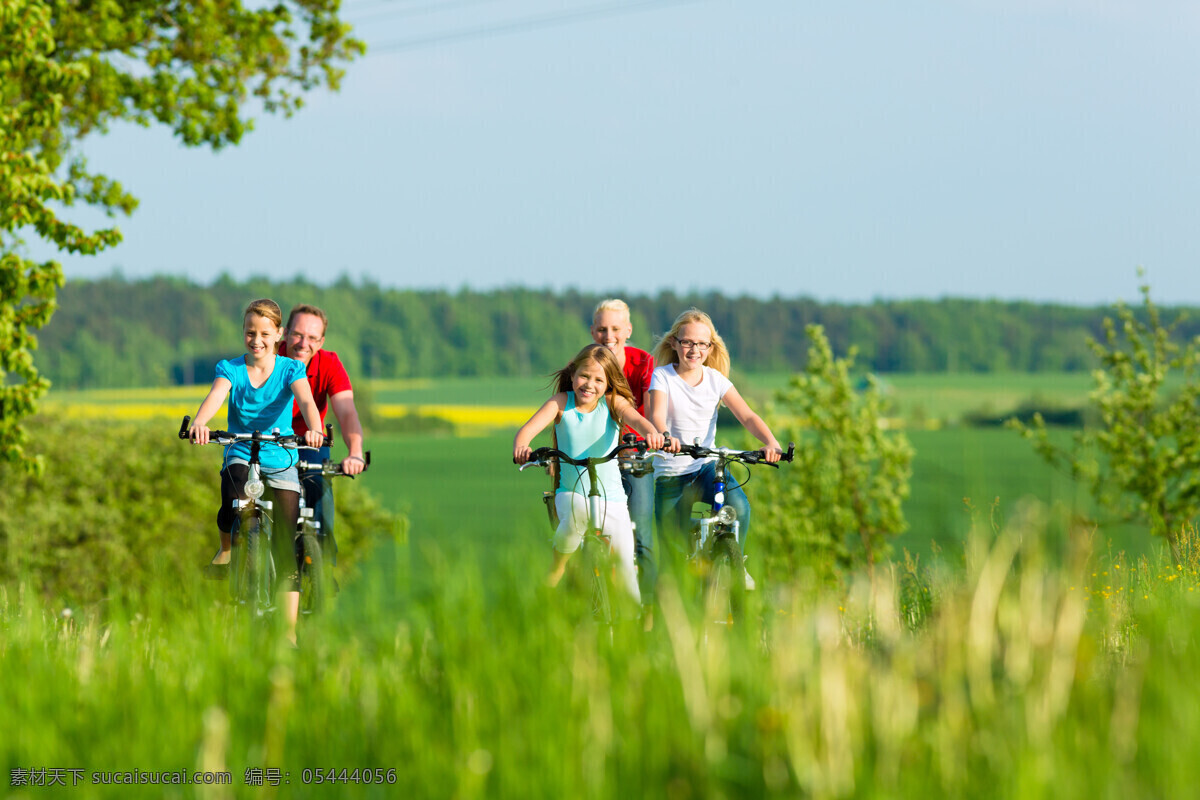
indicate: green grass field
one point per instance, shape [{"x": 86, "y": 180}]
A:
[
  {"x": 1026, "y": 663},
  {"x": 467, "y": 488},
  {"x": 426, "y": 475}
]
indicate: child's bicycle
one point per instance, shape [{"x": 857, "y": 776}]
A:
[
  {"x": 595, "y": 547},
  {"x": 716, "y": 547},
  {"x": 316, "y": 581},
  {"x": 252, "y": 566}
]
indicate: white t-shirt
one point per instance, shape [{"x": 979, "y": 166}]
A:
[{"x": 691, "y": 414}]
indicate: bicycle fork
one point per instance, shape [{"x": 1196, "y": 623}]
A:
[{"x": 721, "y": 516}]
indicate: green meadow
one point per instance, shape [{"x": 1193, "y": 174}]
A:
[{"x": 1021, "y": 651}]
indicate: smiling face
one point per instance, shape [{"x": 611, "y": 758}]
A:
[
  {"x": 305, "y": 337},
  {"x": 260, "y": 335},
  {"x": 612, "y": 329},
  {"x": 692, "y": 344},
  {"x": 589, "y": 383}
]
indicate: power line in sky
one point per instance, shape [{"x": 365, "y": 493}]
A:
[
  {"x": 380, "y": 14},
  {"x": 524, "y": 24}
]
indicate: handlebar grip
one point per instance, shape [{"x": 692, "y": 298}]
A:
[
  {"x": 367, "y": 457},
  {"x": 183, "y": 429},
  {"x": 328, "y": 436},
  {"x": 791, "y": 452}
]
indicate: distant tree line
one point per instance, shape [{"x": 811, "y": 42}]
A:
[{"x": 116, "y": 332}]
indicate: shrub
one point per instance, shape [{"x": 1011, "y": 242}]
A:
[
  {"x": 839, "y": 503},
  {"x": 121, "y": 503}
]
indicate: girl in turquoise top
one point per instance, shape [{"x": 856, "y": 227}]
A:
[
  {"x": 592, "y": 403},
  {"x": 261, "y": 387}
]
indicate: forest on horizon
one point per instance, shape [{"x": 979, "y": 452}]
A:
[{"x": 161, "y": 331}]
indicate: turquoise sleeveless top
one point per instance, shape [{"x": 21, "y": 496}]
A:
[{"x": 591, "y": 434}]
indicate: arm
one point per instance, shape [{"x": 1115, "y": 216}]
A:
[
  {"x": 629, "y": 416},
  {"x": 352, "y": 433},
  {"x": 315, "y": 436},
  {"x": 211, "y": 404},
  {"x": 656, "y": 410},
  {"x": 546, "y": 415},
  {"x": 752, "y": 423}
]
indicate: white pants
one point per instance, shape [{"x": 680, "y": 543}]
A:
[{"x": 573, "y": 521}]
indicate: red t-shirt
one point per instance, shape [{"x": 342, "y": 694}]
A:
[
  {"x": 326, "y": 377},
  {"x": 639, "y": 366}
]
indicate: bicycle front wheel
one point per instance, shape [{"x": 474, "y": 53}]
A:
[
  {"x": 595, "y": 551},
  {"x": 253, "y": 568},
  {"x": 725, "y": 587},
  {"x": 312, "y": 573}
]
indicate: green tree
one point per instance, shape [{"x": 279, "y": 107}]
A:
[
  {"x": 839, "y": 503},
  {"x": 69, "y": 69},
  {"x": 1142, "y": 458}
]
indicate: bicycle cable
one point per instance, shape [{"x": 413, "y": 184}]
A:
[
  {"x": 738, "y": 484},
  {"x": 578, "y": 485}
]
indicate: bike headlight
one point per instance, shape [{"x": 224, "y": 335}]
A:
[
  {"x": 726, "y": 515},
  {"x": 254, "y": 488}
]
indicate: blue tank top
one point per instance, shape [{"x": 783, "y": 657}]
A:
[{"x": 584, "y": 434}]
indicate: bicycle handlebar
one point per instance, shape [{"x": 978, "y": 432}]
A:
[
  {"x": 332, "y": 468},
  {"x": 540, "y": 456},
  {"x": 744, "y": 456},
  {"x": 288, "y": 440}
]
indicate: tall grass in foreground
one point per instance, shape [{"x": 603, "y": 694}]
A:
[{"x": 1002, "y": 675}]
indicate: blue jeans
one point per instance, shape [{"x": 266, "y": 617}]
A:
[
  {"x": 318, "y": 495},
  {"x": 640, "y": 491},
  {"x": 675, "y": 494}
]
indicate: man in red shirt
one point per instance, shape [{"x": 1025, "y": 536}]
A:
[
  {"x": 303, "y": 340},
  {"x": 612, "y": 327}
]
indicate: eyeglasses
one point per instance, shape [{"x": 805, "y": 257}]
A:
[
  {"x": 300, "y": 337},
  {"x": 688, "y": 344}
]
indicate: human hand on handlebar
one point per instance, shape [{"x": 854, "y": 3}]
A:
[
  {"x": 353, "y": 465},
  {"x": 198, "y": 434},
  {"x": 655, "y": 441},
  {"x": 669, "y": 444},
  {"x": 314, "y": 439},
  {"x": 772, "y": 453},
  {"x": 521, "y": 453}
]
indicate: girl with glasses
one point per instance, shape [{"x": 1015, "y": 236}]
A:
[{"x": 690, "y": 383}]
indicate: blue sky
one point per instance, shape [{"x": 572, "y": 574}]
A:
[{"x": 848, "y": 150}]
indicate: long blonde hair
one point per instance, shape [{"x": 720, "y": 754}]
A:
[
  {"x": 718, "y": 354},
  {"x": 617, "y": 385}
]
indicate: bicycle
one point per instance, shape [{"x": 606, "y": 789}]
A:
[
  {"x": 716, "y": 547},
  {"x": 252, "y": 566},
  {"x": 311, "y": 538},
  {"x": 595, "y": 546}
]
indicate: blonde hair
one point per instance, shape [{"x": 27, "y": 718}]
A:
[
  {"x": 267, "y": 309},
  {"x": 601, "y": 355},
  {"x": 718, "y": 354},
  {"x": 611, "y": 304}
]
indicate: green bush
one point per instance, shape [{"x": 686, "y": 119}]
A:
[
  {"x": 839, "y": 503},
  {"x": 1141, "y": 458},
  {"x": 121, "y": 503}
]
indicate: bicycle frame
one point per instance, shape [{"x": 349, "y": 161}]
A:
[
  {"x": 716, "y": 519},
  {"x": 601, "y": 606},
  {"x": 252, "y": 583},
  {"x": 717, "y": 553}
]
